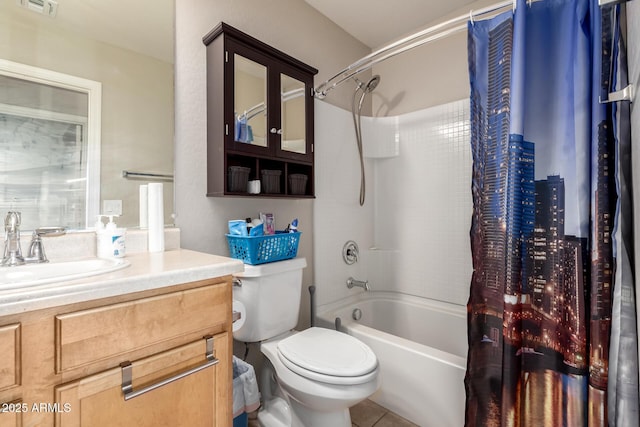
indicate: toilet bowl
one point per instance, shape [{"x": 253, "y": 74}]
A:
[
  {"x": 320, "y": 386},
  {"x": 310, "y": 377}
]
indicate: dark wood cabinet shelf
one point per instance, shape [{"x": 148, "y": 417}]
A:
[{"x": 259, "y": 118}]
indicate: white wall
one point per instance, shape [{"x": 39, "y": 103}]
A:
[
  {"x": 338, "y": 216},
  {"x": 418, "y": 209},
  {"x": 288, "y": 25},
  {"x": 423, "y": 206},
  {"x": 413, "y": 231}
]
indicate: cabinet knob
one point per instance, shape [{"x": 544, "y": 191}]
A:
[{"x": 274, "y": 130}]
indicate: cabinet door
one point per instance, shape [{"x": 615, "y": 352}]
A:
[
  {"x": 247, "y": 111},
  {"x": 294, "y": 134},
  {"x": 200, "y": 398},
  {"x": 10, "y": 356}
]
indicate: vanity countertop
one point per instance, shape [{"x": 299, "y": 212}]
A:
[{"x": 146, "y": 271}]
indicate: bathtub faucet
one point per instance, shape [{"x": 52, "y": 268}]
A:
[{"x": 351, "y": 282}]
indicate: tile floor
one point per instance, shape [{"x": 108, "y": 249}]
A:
[
  {"x": 366, "y": 414},
  {"x": 369, "y": 414}
]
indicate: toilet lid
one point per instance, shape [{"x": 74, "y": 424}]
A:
[{"x": 328, "y": 356}]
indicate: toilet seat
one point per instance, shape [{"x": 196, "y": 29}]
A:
[{"x": 328, "y": 356}]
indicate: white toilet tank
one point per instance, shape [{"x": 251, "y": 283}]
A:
[{"x": 271, "y": 296}]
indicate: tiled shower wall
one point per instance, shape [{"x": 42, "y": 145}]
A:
[{"x": 413, "y": 231}]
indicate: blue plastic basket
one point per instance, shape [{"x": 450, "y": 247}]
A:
[{"x": 263, "y": 249}]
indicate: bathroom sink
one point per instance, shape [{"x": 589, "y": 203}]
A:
[{"x": 38, "y": 274}]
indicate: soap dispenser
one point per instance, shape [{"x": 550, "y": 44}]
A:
[{"x": 110, "y": 239}]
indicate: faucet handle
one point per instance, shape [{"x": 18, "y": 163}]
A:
[
  {"x": 50, "y": 231},
  {"x": 36, "y": 248},
  {"x": 350, "y": 252}
]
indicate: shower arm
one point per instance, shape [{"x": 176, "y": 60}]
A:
[{"x": 427, "y": 35}]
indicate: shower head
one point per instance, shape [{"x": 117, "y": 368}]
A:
[
  {"x": 369, "y": 86},
  {"x": 372, "y": 84}
]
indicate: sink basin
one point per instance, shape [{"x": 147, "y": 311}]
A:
[{"x": 38, "y": 274}]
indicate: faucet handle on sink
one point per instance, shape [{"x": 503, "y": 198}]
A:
[{"x": 36, "y": 248}]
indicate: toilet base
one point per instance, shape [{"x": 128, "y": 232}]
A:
[
  {"x": 279, "y": 409},
  {"x": 277, "y": 413}
]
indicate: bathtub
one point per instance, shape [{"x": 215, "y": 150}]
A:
[{"x": 421, "y": 346}]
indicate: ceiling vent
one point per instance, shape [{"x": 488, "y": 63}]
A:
[{"x": 45, "y": 7}]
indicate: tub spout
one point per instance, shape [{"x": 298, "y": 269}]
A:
[{"x": 351, "y": 282}]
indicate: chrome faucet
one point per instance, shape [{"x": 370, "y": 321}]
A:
[
  {"x": 351, "y": 282},
  {"x": 12, "y": 251}
]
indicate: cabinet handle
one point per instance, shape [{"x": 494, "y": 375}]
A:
[{"x": 130, "y": 393}]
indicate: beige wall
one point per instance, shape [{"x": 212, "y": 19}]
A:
[
  {"x": 137, "y": 99},
  {"x": 288, "y": 25},
  {"x": 415, "y": 79},
  {"x": 429, "y": 75}
]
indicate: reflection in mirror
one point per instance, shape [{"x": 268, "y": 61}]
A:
[
  {"x": 49, "y": 146},
  {"x": 129, "y": 50},
  {"x": 250, "y": 95},
  {"x": 293, "y": 115}
]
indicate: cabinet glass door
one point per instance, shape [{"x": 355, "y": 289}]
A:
[
  {"x": 293, "y": 138},
  {"x": 250, "y": 102}
]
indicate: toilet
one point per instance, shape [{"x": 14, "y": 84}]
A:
[{"x": 310, "y": 377}]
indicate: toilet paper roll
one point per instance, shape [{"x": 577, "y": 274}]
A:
[
  {"x": 239, "y": 307},
  {"x": 156, "y": 217}
]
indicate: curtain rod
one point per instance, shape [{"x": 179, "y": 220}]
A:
[{"x": 427, "y": 35}]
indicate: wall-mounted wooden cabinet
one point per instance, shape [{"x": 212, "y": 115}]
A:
[{"x": 259, "y": 117}]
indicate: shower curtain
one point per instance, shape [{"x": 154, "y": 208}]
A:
[{"x": 551, "y": 313}]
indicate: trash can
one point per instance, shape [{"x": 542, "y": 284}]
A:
[
  {"x": 241, "y": 420},
  {"x": 246, "y": 397}
]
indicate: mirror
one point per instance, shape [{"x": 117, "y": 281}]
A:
[
  {"x": 49, "y": 146},
  {"x": 293, "y": 115},
  {"x": 129, "y": 51},
  {"x": 250, "y": 96}
]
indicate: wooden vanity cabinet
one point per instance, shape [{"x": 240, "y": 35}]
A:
[
  {"x": 196, "y": 399},
  {"x": 171, "y": 348},
  {"x": 259, "y": 116}
]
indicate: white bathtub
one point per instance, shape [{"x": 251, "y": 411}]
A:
[{"x": 421, "y": 346}]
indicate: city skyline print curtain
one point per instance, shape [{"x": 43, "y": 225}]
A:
[{"x": 551, "y": 312}]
